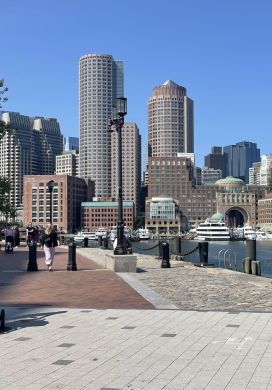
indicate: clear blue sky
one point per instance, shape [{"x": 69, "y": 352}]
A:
[{"x": 220, "y": 50}]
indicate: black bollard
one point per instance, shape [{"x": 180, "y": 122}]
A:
[
  {"x": 2, "y": 320},
  {"x": 72, "y": 266},
  {"x": 85, "y": 242},
  {"x": 177, "y": 246},
  {"x": 203, "y": 248},
  {"x": 99, "y": 241},
  {"x": 251, "y": 249},
  {"x": 32, "y": 257},
  {"x": 165, "y": 255}
]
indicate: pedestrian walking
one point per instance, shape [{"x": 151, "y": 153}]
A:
[
  {"x": 49, "y": 241},
  {"x": 9, "y": 238}
]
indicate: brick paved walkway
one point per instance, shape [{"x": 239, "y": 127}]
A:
[{"x": 89, "y": 287}]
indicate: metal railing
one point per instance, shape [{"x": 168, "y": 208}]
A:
[{"x": 229, "y": 256}]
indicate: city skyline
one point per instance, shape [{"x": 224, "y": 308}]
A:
[{"x": 225, "y": 71}]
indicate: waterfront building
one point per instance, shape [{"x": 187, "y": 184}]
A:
[
  {"x": 28, "y": 150},
  {"x": 103, "y": 214},
  {"x": 216, "y": 160},
  {"x": 238, "y": 202},
  {"x": 101, "y": 81},
  {"x": 170, "y": 121},
  {"x": 265, "y": 212},
  {"x": 68, "y": 193},
  {"x": 254, "y": 173},
  {"x": 239, "y": 158},
  {"x": 131, "y": 170},
  {"x": 174, "y": 177},
  {"x": 210, "y": 175},
  {"x": 71, "y": 143},
  {"x": 162, "y": 216},
  {"x": 68, "y": 163}
]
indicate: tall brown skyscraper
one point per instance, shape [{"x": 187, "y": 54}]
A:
[
  {"x": 170, "y": 121},
  {"x": 131, "y": 147}
]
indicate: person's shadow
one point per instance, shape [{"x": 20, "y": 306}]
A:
[{"x": 29, "y": 320}]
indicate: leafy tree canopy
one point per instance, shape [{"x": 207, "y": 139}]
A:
[
  {"x": 3, "y": 127},
  {"x": 5, "y": 206}
]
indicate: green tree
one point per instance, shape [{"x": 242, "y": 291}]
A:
[
  {"x": 3, "y": 126},
  {"x": 4, "y": 198},
  {"x": 5, "y": 206}
]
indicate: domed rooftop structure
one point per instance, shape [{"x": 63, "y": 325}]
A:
[
  {"x": 217, "y": 217},
  {"x": 231, "y": 184},
  {"x": 230, "y": 180}
]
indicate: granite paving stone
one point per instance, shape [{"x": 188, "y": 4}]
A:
[{"x": 189, "y": 287}]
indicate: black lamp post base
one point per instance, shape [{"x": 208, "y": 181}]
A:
[{"x": 120, "y": 250}]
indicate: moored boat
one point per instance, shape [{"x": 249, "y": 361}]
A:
[
  {"x": 144, "y": 234},
  {"x": 81, "y": 235},
  {"x": 101, "y": 232},
  {"x": 213, "y": 229},
  {"x": 261, "y": 235},
  {"x": 113, "y": 233},
  {"x": 246, "y": 232}
]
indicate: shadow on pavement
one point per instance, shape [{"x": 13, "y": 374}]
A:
[{"x": 29, "y": 320}]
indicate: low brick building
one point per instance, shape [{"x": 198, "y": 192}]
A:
[
  {"x": 99, "y": 214},
  {"x": 68, "y": 193}
]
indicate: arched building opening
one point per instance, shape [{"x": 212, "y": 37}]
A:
[{"x": 236, "y": 217}]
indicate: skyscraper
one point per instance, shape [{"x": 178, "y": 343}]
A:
[
  {"x": 239, "y": 158},
  {"x": 170, "y": 121},
  {"x": 131, "y": 156},
  {"x": 70, "y": 143},
  {"x": 29, "y": 150},
  {"x": 254, "y": 174},
  {"x": 101, "y": 81},
  {"x": 216, "y": 159},
  {"x": 266, "y": 164}
]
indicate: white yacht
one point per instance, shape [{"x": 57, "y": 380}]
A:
[
  {"x": 261, "y": 235},
  {"x": 213, "y": 229},
  {"x": 144, "y": 234},
  {"x": 249, "y": 233},
  {"x": 101, "y": 232},
  {"x": 81, "y": 235},
  {"x": 113, "y": 232}
]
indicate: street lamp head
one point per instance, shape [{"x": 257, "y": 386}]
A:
[{"x": 121, "y": 106}]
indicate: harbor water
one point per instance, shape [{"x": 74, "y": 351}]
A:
[{"x": 237, "y": 249}]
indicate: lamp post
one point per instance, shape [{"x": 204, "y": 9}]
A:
[
  {"x": 118, "y": 121},
  {"x": 50, "y": 186}
]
